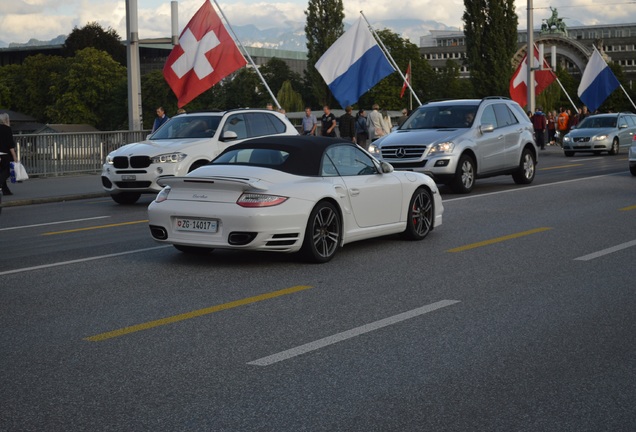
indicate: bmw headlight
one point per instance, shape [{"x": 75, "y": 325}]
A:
[
  {"x": 566, "y": 139},
  {"x": 374, "y": 150},
  {"x": 442, "y": 148},
  {"x": 168, "y": 158},
  {"x": 110, "y": 159},
  {"x": 600, "y": 137}
]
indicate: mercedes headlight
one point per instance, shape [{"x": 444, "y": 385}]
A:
[
  {"x": 168, "y": 158},
  {"x": 442, "y": 148}
]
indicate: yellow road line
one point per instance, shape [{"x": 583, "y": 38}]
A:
[
  {"x": 194, "y": 314},
  {"x": 559, "y": 167},
  {"x": 95, "y": 227},
  {"x": 628, "y": 208},
  {"x": 498, "y": 239}
]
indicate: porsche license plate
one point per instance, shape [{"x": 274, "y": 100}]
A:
[{"x": 196, "y": 225}]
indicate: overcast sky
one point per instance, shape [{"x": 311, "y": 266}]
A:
[{"x": 21, "y": 20}]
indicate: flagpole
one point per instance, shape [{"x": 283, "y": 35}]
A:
[
  {"x": 410, "y": 94},
  {"x": 248, "y": 56},
  {"x": 630, "y": 99},
  {"x": 566, "y": 93},
  {"x": 386, "y": 52}
]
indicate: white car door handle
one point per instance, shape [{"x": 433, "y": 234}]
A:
[{"x": 354, "y": 192}]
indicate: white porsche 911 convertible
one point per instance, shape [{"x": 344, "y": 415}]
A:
[{"x": 292, "y": 194}]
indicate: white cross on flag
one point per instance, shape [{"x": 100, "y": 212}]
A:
[
  {"x": 542, "y": 79},
  {"x": 205, "y": 55}
]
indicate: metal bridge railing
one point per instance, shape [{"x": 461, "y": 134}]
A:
[{"x": 56, "y": 154}]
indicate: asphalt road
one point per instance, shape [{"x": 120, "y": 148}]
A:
[{"x": 517, "y": 314}]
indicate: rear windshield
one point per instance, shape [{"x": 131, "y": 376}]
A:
[
  {"x": 259, "y": 157},
  {"x": 188, "y": 127},
  {"x": 441, "y": 117}
]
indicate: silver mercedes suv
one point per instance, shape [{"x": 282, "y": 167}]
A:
[{"x": 458, "y": 141}]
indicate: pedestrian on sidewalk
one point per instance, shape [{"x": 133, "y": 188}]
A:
[
  {"x": 539, "y": 124},
  {"x": 160, "y": 120},
  {"x": 7, "y": 152}
]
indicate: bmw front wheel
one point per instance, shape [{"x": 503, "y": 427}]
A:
[
  {"x": 420, "y": 216},
  {"x": 323, "y": 233}
]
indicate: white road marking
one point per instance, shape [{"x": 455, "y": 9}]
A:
[
  {"x": 53, "y": 223},
  {"x": 339, "y": 337},
  {"x": 527, "y": 188},
  {"x": 606, "y": 251},
  {"x": 81, "y": 260}
]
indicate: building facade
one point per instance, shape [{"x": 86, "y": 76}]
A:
[{"x": 617, "y": 42}]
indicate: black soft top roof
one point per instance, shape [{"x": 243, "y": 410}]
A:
[{"x": 305, "y": 152}]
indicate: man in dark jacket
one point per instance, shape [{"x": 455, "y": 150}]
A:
[
  {"x": 347, "y": 125},
  {"x": 539, "y": 124}
]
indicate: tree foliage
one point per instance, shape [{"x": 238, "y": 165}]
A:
[
  {"x": 88, "y": 91},
  {"x": 490, "y": 27},
  {"x": 36, "y": 76},
  {"x": 289, "y": 99},
  {"x": 323, "y": 27},
  {"x": 275, "y": 73},
  {"x": 94, "y": 36}
]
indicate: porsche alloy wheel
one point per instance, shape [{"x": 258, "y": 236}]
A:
[
  {"x": 420, "y": 216},
  {"x": 323, "y": 233}
]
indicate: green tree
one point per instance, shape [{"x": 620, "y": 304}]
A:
[
  {"x": 243, "y": 90},
  {"x": 490, "y": 27},
  {"x": 290, "y": 100},
  {"x": 155, "y": 92},
  {"x": 323, "y": 27},
  {"x": 9, "y": 78},
  {"x": 32, "y": 91},
  {"x": 276, "y": 72},
  {"x": 94, "y": 36},
  {"x": 90, "y": 91},
  {"x": 448, "y": 84}
]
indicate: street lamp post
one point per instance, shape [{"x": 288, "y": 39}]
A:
[
  {"x": 530, "y": 58},
  {"x": 135, "y": 122}
]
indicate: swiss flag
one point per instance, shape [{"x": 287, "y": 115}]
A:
[
  {"x": 542, "y": 79},
  {"x": 205, "y": 55},
  {"x": 407, "y": 77}
]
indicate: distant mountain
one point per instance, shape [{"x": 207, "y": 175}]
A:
[
  {"x": 35, "y": 42},
  {"x": 291, "y": 36}
]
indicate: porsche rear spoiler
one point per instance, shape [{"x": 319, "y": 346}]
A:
[{"x": 243, "y": 183}]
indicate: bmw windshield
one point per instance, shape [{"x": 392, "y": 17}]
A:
[
  {"x": 441, "y": 117},
  {"x": 188, "y": 127}
]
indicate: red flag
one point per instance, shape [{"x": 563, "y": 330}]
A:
[
  {"x": 205, "y": 55},
  {"x": 407, "y": 79},
  {"x": 542, "y": 79}
]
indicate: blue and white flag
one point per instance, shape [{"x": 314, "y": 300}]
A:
[
  {"x": 353, "y": 64},
  {"x": 597, "y": 83}
]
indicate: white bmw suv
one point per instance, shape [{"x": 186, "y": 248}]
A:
[
  {"x": 182, "y": 144},
  {"x": 458, "y": 141}
]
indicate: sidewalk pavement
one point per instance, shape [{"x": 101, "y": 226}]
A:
[{"x": 40, "y": 190}]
